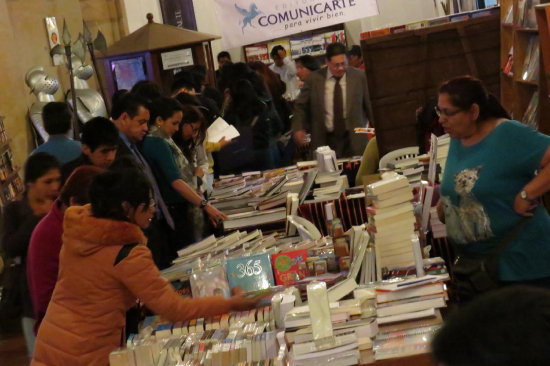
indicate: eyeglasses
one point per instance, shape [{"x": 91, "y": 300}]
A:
[{"x": 446, "y": 112}]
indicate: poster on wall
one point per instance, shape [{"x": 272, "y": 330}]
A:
[
  {"x": 251, "y": 21},
  {"x": 179, "y": 13},
  {"x": 257, "y": 52}
]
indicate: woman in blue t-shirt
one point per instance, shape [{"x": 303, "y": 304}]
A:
[{"x": 490, "y": 183}]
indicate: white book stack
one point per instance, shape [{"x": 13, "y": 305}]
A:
[
  {"x": 411, "y": 299},
  {"x": 393, "y": 219},
  {"x": 443, "y": 144},
  {"x": 353, "y": 325}
]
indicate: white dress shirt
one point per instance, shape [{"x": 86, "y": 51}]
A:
[
  {"x": 287, "y": 72},
  {"x": 330, "y": 83}
]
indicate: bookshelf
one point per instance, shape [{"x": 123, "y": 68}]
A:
[
  {"x": 520, "y": 87},
  {"x": 405, "y": 69},
  {"x": 311, "y": 43},
  {"x": 11, "y": 185}
]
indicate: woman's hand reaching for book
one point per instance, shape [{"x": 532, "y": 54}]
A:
[
  {"x": 214, "y": 214},
  {"x": 241, "y": 301}
]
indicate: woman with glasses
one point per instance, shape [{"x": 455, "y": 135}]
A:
[
  {"x": 490, "y": 184},
  {"x": 104, "y": 266},
  {"x": 173, "y": 169}
]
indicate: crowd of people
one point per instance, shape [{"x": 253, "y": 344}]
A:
[{"x": 100, "y": 217}]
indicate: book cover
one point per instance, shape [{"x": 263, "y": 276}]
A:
[
  {"x": 251, "y": 273},
  {"x": 286, "y": 266}
]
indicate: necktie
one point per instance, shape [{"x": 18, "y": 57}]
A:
[
  {"x": 338, "y": 109},
  {"x": 158, "y": 198}
]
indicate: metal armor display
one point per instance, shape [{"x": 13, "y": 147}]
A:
[
  {"x": 90, "y": 103},
  {"x": 44, "y": 87}
]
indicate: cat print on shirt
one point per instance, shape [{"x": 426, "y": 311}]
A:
[{"x": 467, "y": 222}]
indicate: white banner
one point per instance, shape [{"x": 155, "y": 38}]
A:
[{"x": 245, "y": 22}]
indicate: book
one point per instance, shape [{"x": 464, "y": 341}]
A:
[
  {"x": 403, "y": 343},
  {"x": 254, "y": 218},
  {"x": 387, "y": 185},
  {"x": 405, "y": 196},
  {"x": 286, "y": 266},
  {"x": 423, "y": 290},
  {"x": 250, "y": 273},
  {"x": 407, "y": 307},
  {"x": 220, "y": 129},
  {"x": 414, "y": 315}
]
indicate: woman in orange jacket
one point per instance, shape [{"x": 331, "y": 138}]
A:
[{"x": 104, "y": 266}]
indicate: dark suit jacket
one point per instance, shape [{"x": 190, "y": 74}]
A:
[{"x": 309, "y": 110}]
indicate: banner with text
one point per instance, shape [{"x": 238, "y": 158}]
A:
[{"x": 249, "y": 21}]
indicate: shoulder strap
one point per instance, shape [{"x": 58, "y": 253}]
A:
[
  {"x": 124, "y": 252},
  {"x": 512, "y": 234}
]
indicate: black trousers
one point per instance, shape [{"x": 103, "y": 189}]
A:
[
  {"x": 183, "y": 233},
  {"x": 160, "y": 241}
]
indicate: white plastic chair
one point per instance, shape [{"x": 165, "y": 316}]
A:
[{"x": 397, "y": 155}]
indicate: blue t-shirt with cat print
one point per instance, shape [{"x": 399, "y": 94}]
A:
[{"x": 478, "y": 190}]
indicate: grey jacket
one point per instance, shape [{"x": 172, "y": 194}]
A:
[{"x": 309, "y": 113}]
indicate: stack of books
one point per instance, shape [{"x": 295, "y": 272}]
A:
[
  {"x": 353, "y": 325},
  {"x": 391, "y": 219},
  {"x": 331, "y": 186},
  {"x": 403, "y": 343},
  {"x": 239, "y": 338},
  {"x": 236, "y": 194},
  {"x": 414, "y": 298},
  {"x": 411, "y": 168}
]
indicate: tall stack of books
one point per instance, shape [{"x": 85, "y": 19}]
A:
[
  {"x": 414, "y": 298},
  {"x": 391, "y": 219},
  {"x": 411, "y": 168}
]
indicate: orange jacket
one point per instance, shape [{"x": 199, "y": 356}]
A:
[{"x": 86, "y": 316}]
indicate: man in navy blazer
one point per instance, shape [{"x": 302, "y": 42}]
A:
[{"x": 332, "y": 102}]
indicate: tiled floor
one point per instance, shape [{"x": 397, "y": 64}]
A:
[{"x": 13, "y": 352}]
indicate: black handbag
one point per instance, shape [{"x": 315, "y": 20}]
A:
[
  {"x": 11, "y": 296},
  {"x": 475, "y": 276}
]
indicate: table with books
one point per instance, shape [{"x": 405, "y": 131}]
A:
[{"x": 357, "y": 295}]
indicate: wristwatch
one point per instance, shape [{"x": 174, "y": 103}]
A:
[
  {"x": 523, "y": 194},
  {"x": 203, "y": 203}
]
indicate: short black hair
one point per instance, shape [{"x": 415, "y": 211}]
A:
[
  {"x": 57, "y": 118},
  {"x": 183, "y": 82},
  {"x": 128, "y": 103},
  {"x": 147, "y": 89},
  {"x": 275, "y": 50},
  {"x": 39, "y": 164},
  {"x": 507, "y": 327},
  {"x": 110, "y": 189},
  {"x": 99, "y": 131},
  {"x": 335, "y": 49},
  {"x": 164, "y": 108},
  {"x": 309, "y": 62},
  {"x": 224, "y": 54},
  {"x": 355, "y": 50}
]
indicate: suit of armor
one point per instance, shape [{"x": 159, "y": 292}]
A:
[
  {"x": 90, "y": 103},
  {"x": 44, "y": 86}
]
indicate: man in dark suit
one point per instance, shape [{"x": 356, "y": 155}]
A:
[
  {"x": 131, "y": 116},
  {"x": 333, "y": 101}
]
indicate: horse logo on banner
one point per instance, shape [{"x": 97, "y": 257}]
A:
[{"x": 248, "y": 15}]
